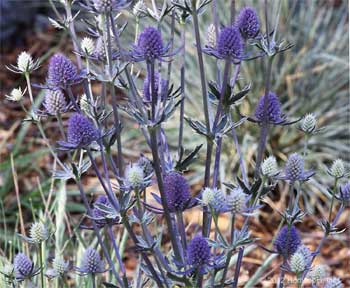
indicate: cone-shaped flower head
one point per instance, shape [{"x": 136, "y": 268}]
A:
[
  {"x": 80, "y": 130},
  {"x": 334, "y": 282},
  {"x": 269, "y": 167},
  {"x": 87, "y": 45},
  {"x": 16, "y": 94},
  {"x": 38, "y": 232},
  {"x": 294, "y": 169},
  {"x": 147, "y": 89},
  {"x": 91, "y": 262},
  {"x": 23, "y": 266},
  {"x": 177, "y": 191},
  {"x": 345, "y": 192},
  {"x": 273, "y": 110},
  {"x": 102, "y": 6},
  {"x": 134, "y": 176},
  {"x": 198, "y": 251},
  {"x": 55, "y": 102},
  {"x": 318, "y": 273},
  {"x": 248, "y": 23},
  {"x": 287, "y": 241},
  {"x": 62, "y": 71},
  {"x": 150, "y": 43},
  {"x": 215, "y": 199},
  {"x": 211, "y": 36},
  {"x": 338, "y": 169},
  {"x": 236, "y": 200},
  {"x": 301, "y": 260},
  {"x": 24, "y": 62},
  {"x": 60, "y": 266},
  {"x": 146, "y": 165},
  {"x": 308, "y": 124},
  {"x": 139, "y": 9},
  {"x": 230, "y": 44}
]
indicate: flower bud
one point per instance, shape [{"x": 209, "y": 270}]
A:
[
  {"x": 84, "y": 104},
  {"x": 297, "y": 263},
  {"x": 269, "y": 167},
  {"x": 294, "y": 169},
  {"x": 55, "y": 102},
  {"x": 91, "y": 262},
  {"x": 236, "y": 200},
  {"x": 24, "y": 62},
  {"x": 23, "y": 266},
  {"x": 60, "y": 266},
  {"x": 338, "y": 169},
  {"x": 211, "y": 36},
  {"x": 16, "y": 95},
  {"x": 38, "y": 232},
  {"x": 88, "y": 45},
  {"x": 308, "y": 124},
  {"x": 334, "y": 282},
  {"x": 214, "y": 198},
  {"x": 318, "y": 273},
  {"x": 134, "y": 176},
  {"x": 273, "y": 111}
]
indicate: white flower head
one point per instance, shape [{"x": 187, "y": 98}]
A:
[
  {"x": 211, "y": 36},
  {"x": 236, "y": 200},
  {"x": 16, "y": 94},
  {"x": 214, "y": 198},
  {"x": 308, "y": 123},
  {"x": 269, "y": 167},
  {"x": 134, "y": 175},
  {"x": 337, "y": 168},
  {"x": 317, "y": 273},
  {"x": 297, "y": 263},
  {"x": 140, "y": 9},
  {"x": 38, "y": 232},
  {"x": 88, "y": 45},
  {"x": 25, "y": 62}
]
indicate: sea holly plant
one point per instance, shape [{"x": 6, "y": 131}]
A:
[{"x": 142, "y": 201}]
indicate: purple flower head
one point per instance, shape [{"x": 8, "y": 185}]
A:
[
  {"x": 273, "y": 109},
  {"x": 91, "y": 262},
  {"x": 248, "y": 23},
  {"x": 345, "y": 193},
  {"x": 81, "y": 131},
  {"x": 150, "y": 44},
  {"x": 62, "y": 72},
  {"x": 230, "y": 44},
  {"x": 55, "y": 102},
  {"x": 287, "y": 241},
  {"x": 294, "y": 169},
  {"x": 198, "y": 251},
  {"x": 147, "y": 89},
  {"x": 23, "y": 266},
  {"x": 177, "y": 191}
]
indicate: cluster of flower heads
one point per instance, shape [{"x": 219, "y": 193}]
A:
[{"x": 235, "y": 202}]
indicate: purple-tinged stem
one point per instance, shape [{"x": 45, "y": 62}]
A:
[
  {"x": 181, "y": 228},
  {"x": 182, "y": 79},
  {"x": 96, "y": 230},
  {"x": 116, "y": 250},
  {"x": 238, "y": 267}
]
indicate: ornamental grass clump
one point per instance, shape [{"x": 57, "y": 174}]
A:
[{"x": 140, "y": 179}]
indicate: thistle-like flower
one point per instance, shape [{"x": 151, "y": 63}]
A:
[
  {"x": 337, "y": 169},
  {"x": 317, "y": 273},
  {"x": 60, "y": 266},
  {"x": 134, "y": 176},
  {"x": 16, "y": 94},
  {"x": 55, "y": 102},
  {"x": 301, "y": 260},
  {"x": 24, "y": 267},
  {"x": 177, "y": 192},
  {"x": 269, "y": 167},
  {"x": 229, "y": 45},
  {"x": 198, "y": 252},
  {"x": 39, "y": 232},
  {"x": 62, "y": 72},
  {"x": 248, "y": 23},
  {"x": 88, "y": 45},
  {"x": 215, "y": 199},
  {"x": 149, "y": 46},
  {"x": 334, "y": 282},
  {"x": 81, "y": 132},
  {"x": 146, "y": 165},
  {"x": 236, "y": 200},
  {"x": 147, "y": 89},
  {"x": 287, "y": 241},
  {"x": 91, "y": 262},
  {"x": 294, "y": 170},
  {"x": 273, "y": 111},
  {"x": 25, "y": 64},
  {"x": 308, "y": 124}
]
